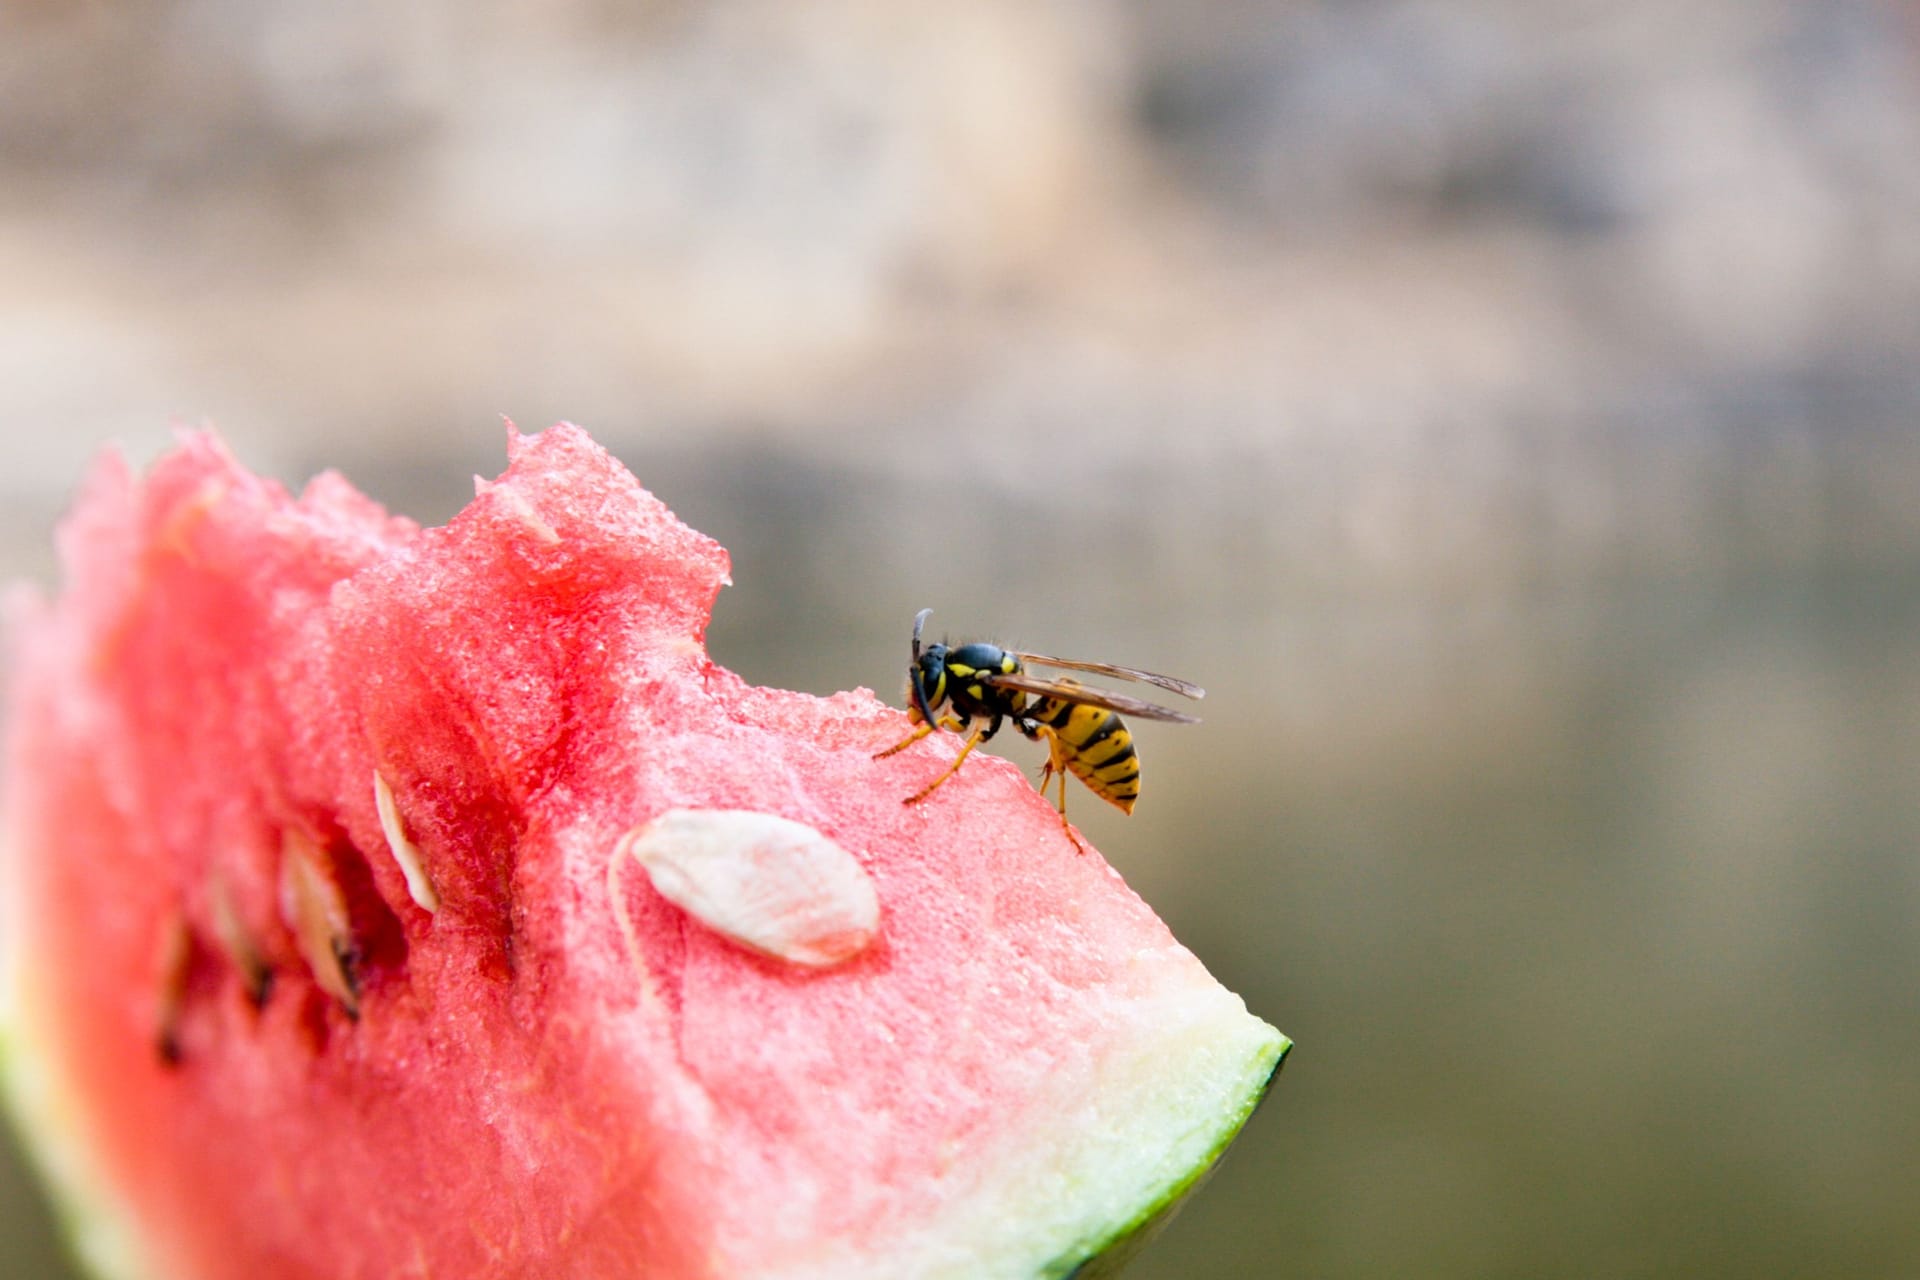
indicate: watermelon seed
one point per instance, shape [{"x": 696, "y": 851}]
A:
[
  {"x": 175, "y": 533},
  {"x": 768, "y": 883},
  {"x": 176, "y": 956},
  {"x": 518, "y": 508},
  {"x": 649, "y": 989},
  {"x": 232, "y": 935},
  {"x": 405, "y": 852},
  {"x": 315, "y": 909}
]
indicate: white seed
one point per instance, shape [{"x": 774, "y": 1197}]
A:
[
  {"x": 770, "y": 884},
  {"x": 230, "y": 931},
  {"x": 519, "y": 508},
  {"x": 405, "y": 852},
  {"x": 175, "y": 959},
  {"x": 315, "y": 909}
]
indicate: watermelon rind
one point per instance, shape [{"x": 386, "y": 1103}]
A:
[
  {"x": 99, "y": 1232},
  {"x": 1107, "y": 1258},
  {"x": 1085, "y": 1178}
]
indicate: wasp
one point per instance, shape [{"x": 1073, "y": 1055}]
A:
[{"x": 978, "y": 687}]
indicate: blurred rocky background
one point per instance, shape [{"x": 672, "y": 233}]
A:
[{"x": 1508, "y": 410}]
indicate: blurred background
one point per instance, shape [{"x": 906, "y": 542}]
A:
[{"x": 1508, "y": 410}]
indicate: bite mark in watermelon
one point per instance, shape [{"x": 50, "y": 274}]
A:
[{"x": 317, "y": 964}]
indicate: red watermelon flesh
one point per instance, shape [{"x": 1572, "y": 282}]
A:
[{"x": 244, "y": 1049}]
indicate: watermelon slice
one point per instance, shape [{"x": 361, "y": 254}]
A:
[{"x": 387, "y": 902}]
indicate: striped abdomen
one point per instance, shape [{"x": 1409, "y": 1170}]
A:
[{"x": 1094, "y": 745}]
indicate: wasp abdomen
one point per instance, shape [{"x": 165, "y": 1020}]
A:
[{"x": 1094, "y": 745}]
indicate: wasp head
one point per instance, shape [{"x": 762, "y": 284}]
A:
[{"x": 927, "y": 680}]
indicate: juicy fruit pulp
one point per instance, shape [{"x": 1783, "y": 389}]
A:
[{"x": 321, "y": 961}]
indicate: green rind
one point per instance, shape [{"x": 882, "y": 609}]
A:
[
  {"x": 1107, "y": 1257},
  {"x": 99, "y": 1234},
  {"x": 1079, "y": 1174}
]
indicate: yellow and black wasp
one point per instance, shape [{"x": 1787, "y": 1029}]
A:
[{"x": 979, "y": 686}]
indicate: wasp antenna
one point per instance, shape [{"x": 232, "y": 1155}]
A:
[{"x": 919, "y": 621}]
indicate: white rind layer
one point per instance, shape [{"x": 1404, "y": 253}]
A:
[
  {"x": 99, "y": 1229},
  {"x": 1095, "y": 1155}
]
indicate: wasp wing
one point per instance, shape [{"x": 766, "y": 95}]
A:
[
  {"x": 1074, "y": 691},
  {"x": 1169, "y": 683}
]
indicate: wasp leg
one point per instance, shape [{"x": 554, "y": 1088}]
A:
[
  {"x": 946, "y": 722},
  {"x": 973, "y": 740},
  {"x": 1056, "y": 768},
  {"x": 905, "y": 742}
]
